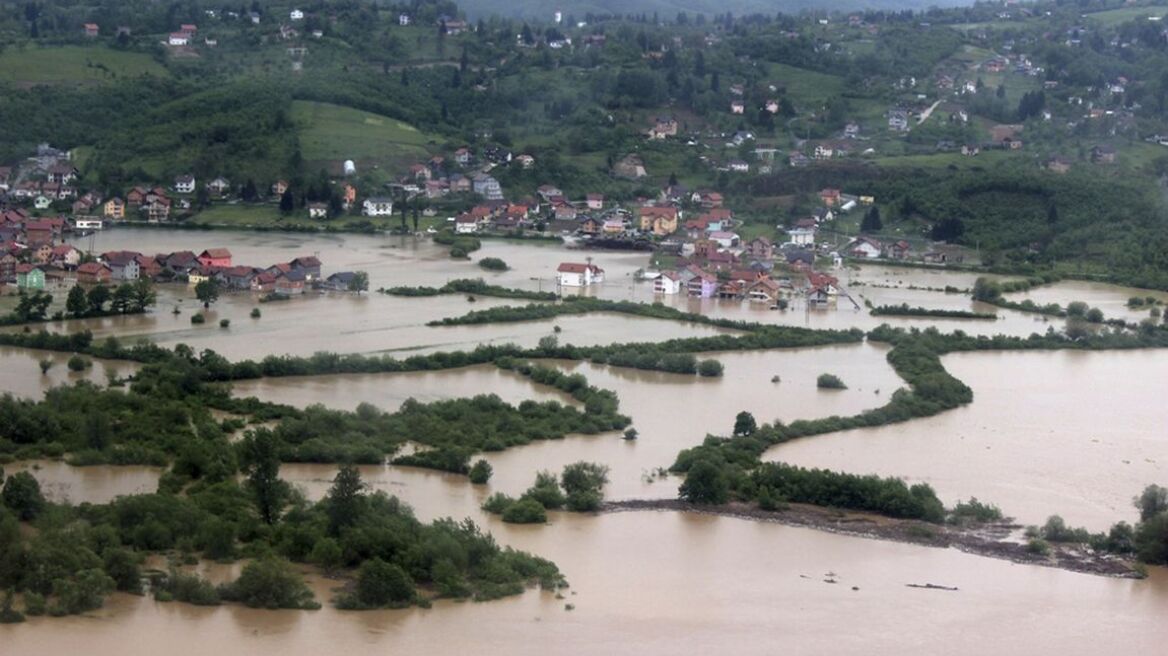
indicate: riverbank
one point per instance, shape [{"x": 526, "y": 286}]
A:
[{"x": 991, "y": 540}]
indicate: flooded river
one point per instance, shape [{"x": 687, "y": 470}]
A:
[
  {"x": 1072, "y": 433},
  {"x": 657, "y": 583}
]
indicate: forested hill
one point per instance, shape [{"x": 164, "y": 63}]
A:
[{"x": 579, "y": 9}]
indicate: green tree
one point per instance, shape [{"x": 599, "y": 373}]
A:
[
  {"x": 207, "y": 291},
  {"x": 1151, "y": 540},
  {"x": 1152, "y": 502},
  {"x": 98, "y": 296},
  {"x": 744, "y": 424},
  {"x": 270, "y": 583},
  {"x": 583, "y": 483},
  {"x": 381, "y": 584},
  {"x": 22, "y": 495},
  {"x": 871, "y": 221},
  {"x": 359, "y": 282},
  {"x": 142, "y": 295},
  {"x": 123, "y": 298},
  {"x": 710, "y": 368},
  {"x": 480, "y": 472},
  {"x": 76, "y": 304},
  {"x": 327, "y": 555},
  {"x": 121, "y": 565},
  {"x": 345, "y": 500},
  {"x": 83, "y": 592},
  {"x": 287, "y": 203},
  {"x": 705, "y": 483},
  {"x": 261, "y": 464}
]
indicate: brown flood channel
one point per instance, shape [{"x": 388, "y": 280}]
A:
[{"x": 668, "y": 583}]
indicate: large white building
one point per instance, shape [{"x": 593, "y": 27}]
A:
[
  {"x": 377, "y": 206},
  {"x": 574, "y": 274},
  {"x": 669, "y": 282}
]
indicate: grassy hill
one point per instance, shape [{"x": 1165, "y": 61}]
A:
[
  {"x": 334, "y": 133},
  {"x": 670, "y": 8},
  {"x": 74, "y": 64}
]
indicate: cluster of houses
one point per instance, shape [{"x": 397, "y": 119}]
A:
[
  {"x": 285, "y": 278},
  {"x": 31, "y": 259},
  {"x": 441, "y": 176}
]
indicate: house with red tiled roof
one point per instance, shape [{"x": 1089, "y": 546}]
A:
[
  {"x": 93, "y": 272},
  {"x": 573, "y": 274},
  {"x": 660, "y": 221},
  {"x": 215, "y": 257}
]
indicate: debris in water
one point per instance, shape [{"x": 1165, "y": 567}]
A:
[{"x": 930, "y": 586}]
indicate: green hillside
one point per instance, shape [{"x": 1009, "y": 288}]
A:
[
  {"x": 331, "y": 132},
  {"x": 670, "y": 8},
  {"x": 73, "y": 64}
]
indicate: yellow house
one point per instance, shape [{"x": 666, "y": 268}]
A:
[
  {"x": 114, "y": 209},
  {"x": 196, "y": 276},
  {"x": 660, "y": 221}
]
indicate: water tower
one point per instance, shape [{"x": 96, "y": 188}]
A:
[{"x": 350, "y": 167}]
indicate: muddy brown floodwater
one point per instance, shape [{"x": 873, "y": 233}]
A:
[
  {"x": 660, "y": 583},
  {"x": 1073, "y": 433},
  {"x": 1076, "y": 434}
]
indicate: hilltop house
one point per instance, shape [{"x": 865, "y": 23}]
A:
[
  {"x": 219, "y": 186},
  {"x": 573, "y": 274},
  {"x": 185, "y": 184},
  {"x": 664, "y": 126},
  {"x": 487, "y": 186}
]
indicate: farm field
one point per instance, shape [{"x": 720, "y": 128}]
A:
[
  {"x": 334, "y": 132},
  {"x": 72, "y": 64}
]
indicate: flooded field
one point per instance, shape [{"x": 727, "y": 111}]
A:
[
  {"x": 21, "y": 374},
  {"x": 710, "y": 583},
  {"x": 1069, "y": 433},
  {"x": 1076, "y": 434}
]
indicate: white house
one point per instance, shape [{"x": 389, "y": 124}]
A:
[
  {"x": 802, "y": 236},
  {"x": 185, "y": 184},
  {"x": 466, "y": 224},
  {"x": 573, "y": 274},
  {"x": 296, "y": 14},
  {"x": 42, "y": 202},
  {"x": 724, "y": 239},
  {"x": 179, "y": 39},
  {"x": 317, "y": 211},
  {"x": 377, "y": 206},
  {"x": 667, "y": 283},
  {"x": 863, "y": 247},
  {"x": 403, "y": 19}
]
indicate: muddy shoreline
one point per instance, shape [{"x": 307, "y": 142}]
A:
[{"x": 990, "y": 540}]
